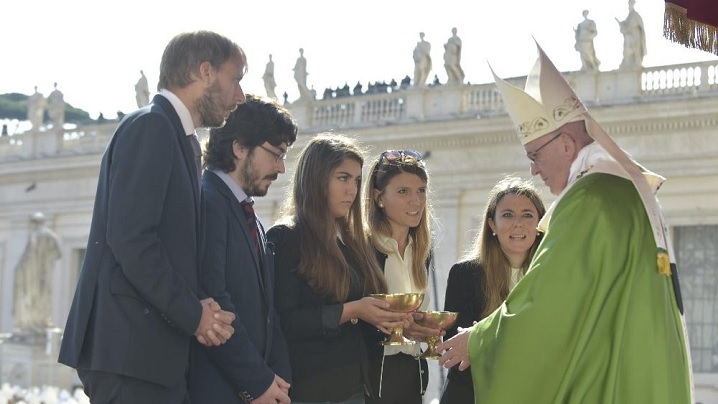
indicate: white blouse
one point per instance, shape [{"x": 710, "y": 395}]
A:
[
  {"x": 516, "y": 276},
  {"x": 397, "y": 271}
]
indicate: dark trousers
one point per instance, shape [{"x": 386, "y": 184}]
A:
[
  {"x": 402, "y": 382},
  {"x": 355, "y": 399},
  {"x": 458, "y": 390},
  {"x": 112, "y": 388}
]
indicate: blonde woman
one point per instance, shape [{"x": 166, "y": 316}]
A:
[{"x": 399, "y": 218}]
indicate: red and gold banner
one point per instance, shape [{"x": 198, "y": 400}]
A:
[{"x": 692, "y": 23}]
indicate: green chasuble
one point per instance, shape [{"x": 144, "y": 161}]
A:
[{"x": 592, "y": 321}]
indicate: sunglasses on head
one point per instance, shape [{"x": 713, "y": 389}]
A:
[{"x": 403, "y": 156}]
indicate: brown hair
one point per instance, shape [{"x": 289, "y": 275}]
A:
[
  {"x": 321, "y": 260},
  {"x": 380, "y": 173},
  {"x": 187, "y": 51},
  {"x": 487, "y": 250}
]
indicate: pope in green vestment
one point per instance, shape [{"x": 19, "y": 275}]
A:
[
  {"x": 596, "y": 318},
  {"x": 592, "y": 321}
]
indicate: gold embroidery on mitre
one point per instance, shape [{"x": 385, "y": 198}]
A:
[
  {"x": 664, "y": 263},
  {"x": 529, "y": 127},
  {"x": 569, "y": 105}
]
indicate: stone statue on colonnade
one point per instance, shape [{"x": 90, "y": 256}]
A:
[{"x": 32, "y": 304}]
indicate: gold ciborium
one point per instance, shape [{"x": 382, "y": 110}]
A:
[
  {"x": 435, "y": 319},
  {"x": 400, "y": 303}
]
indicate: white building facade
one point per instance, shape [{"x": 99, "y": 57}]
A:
[{"x": 665, "y": 117}]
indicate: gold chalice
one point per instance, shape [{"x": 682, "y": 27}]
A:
[
  {"x": 435, "y": 319},
  {"x": 400, "y": 303}
]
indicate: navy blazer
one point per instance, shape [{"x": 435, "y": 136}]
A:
[
  {"x": 242, "y": 282},
  {"x": 136, "y": 307}
]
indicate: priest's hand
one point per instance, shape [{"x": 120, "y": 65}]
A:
[{"x": 456, "y": 350}]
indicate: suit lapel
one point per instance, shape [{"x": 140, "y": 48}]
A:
[
  {"x": 264, "y": 257},
  {"x": 240, "y": 217},
  {"x": 184, "y": 144}
]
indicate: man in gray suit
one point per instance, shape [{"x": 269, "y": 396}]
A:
[{"x": 138, "y": 302}]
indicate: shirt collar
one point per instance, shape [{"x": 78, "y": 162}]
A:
[
  {"x": 181, "y": 109},
  {"x": 237, "y": 191},
  {"x": 388, "y": 243}
]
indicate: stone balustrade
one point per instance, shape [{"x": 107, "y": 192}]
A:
[{"x": 412, "y": 105}]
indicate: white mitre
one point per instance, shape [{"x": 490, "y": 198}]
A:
[{"x": 546, "y": 104}]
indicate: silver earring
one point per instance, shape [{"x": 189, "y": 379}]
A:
[
  {"x": 381, "y": 205},
  {"x": 493, "y": 234}
]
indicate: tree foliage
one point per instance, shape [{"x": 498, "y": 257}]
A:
[{"x": 14, "y": 106}]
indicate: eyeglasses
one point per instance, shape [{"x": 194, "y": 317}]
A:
[
  {"x": 534, "y": 155},
  {"x": 277, "y": 156},
  {"x": 403, "y": 156}
]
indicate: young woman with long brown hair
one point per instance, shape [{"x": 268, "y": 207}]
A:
[{"x": 325, "y": 268}]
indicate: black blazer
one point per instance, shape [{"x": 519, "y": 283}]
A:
[
  {"x": 241, "y": 282},
  {"x": 329, "y": 361},
  {"x": 464, "y": 294},
  {"x": 136, "y": 307}
]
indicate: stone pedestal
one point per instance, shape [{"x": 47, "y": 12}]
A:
[
  {"x": 302, "y": 111},
  {"x": 38, "y": 143},
  {"x": 28, "y": 360}
]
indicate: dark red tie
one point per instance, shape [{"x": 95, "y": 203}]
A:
[{"x": 252, "y": 223}]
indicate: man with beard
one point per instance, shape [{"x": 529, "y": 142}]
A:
[
  {"x": 138, "y": 300},
  {"x": 241, "y": 160}
]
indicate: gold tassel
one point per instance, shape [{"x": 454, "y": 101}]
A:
[
  {"x": 677, "y": 27},
  {"x": 664, "y": 262}
]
